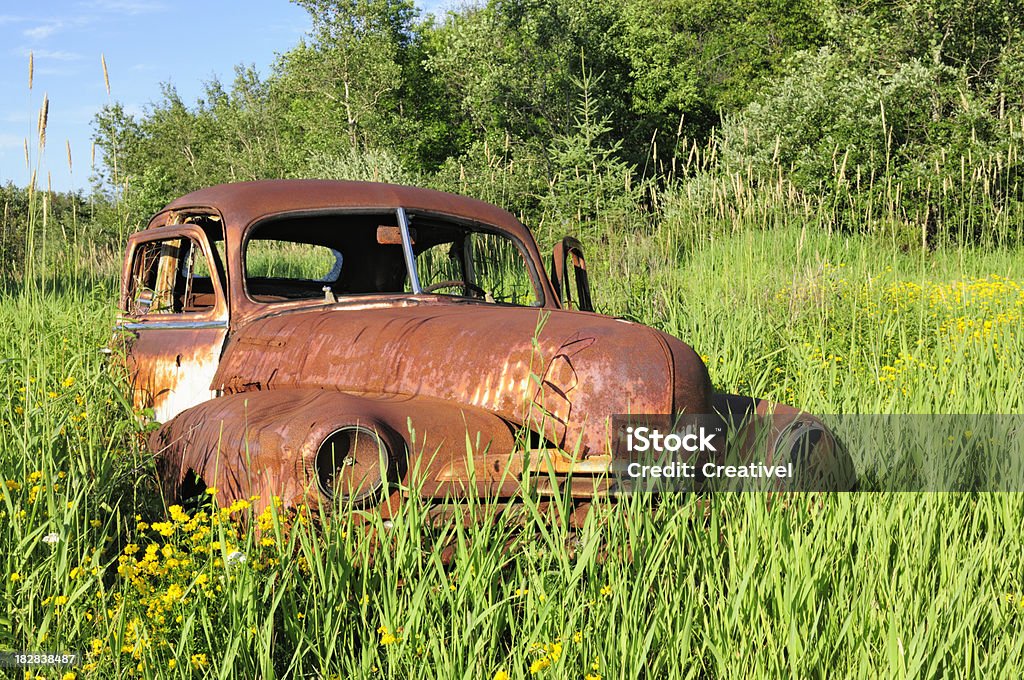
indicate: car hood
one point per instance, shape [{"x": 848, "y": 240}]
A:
[{"x": 562, "y": 373}]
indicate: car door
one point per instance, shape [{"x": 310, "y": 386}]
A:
[
  {"x": 570, "y": 249},
  {"x": 174, "y": 319}
]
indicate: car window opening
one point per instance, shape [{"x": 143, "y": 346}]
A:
[
  {"x": 170, "y": 276},
  {"x": 325, "y": 257}
]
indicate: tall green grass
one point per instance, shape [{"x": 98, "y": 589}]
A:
[
  {"x": 778, "y": 304},
  {"x": 905, "y": 585}
]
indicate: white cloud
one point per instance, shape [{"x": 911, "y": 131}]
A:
[
  {"x": 62, "y": 72},
  {"x": 9, "y": 141},
  {"x": 55, "y": 55},
  {"x": 43, "y": 30}
]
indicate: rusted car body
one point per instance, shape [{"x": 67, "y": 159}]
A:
[{"x": 317, "y": 339}]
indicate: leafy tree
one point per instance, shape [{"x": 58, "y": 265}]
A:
[
  {"x": 510, "y": 65},
  {"x": 589, "y": 178},
  {"x": 696, "y": 60},
  {"x": 915, "y": 97},
  {"x": 345, "y": 79}
]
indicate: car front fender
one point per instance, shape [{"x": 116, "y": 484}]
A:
[{"x": 267, "y": 443}]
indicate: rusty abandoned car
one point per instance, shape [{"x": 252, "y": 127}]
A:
[{"x": 325, "y": 340}]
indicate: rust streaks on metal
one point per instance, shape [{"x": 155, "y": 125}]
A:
[{"x": 466, "y": 395}]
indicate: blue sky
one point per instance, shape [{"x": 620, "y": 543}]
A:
[{"x": 145, "y": 42}]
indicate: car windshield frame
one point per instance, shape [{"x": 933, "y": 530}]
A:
[{"x": 406, "y": 219}]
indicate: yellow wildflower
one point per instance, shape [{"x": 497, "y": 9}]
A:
[
  {"x": 387, "y": 637},
  {"x": 539, "y": 664},
  {"x": 164, "y": 528},
  {"x": 174, "y": 593},
  {"x": 178, "y": 514}
]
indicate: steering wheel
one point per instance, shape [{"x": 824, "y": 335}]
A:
[{"x": 466, "y": 285}]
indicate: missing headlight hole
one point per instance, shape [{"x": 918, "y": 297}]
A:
[{"x": 352, "y": 464}]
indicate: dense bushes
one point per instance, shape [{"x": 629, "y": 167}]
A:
[
  {"x": 32, "y": 220},
  {"x": 904, "y": 118},
  {"x": 908, "y": 120}
]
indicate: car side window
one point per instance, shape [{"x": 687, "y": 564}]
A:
[
  {"x": 498, "y": 267},
  {"x": 170, "y": 276},
  {"x": 438, "y": 264},
  {"x": 285, "y": 260}
]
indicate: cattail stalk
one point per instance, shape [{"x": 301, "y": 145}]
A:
[
  {"x": 44, "y": 114},
  {"x": 106, "y": 76}
]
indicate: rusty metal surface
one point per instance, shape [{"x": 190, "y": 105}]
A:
[
  {"x": 583, "y": 368},
  {"x": 171, "y": 369},
  {"x": 447, "y": 383},
  {"x": 769, "y": 433},
  {"x": 265, "y": 444},
  {"x": 171, "y": 358},
  {"x": 244, "y": 204},
  {"x": 564, "y": 249}
]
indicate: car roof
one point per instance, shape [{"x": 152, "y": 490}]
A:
[{"x": 243, "y": 203}]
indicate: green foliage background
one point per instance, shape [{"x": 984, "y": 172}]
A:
[
  {"x": 904, "y": 115},
  {"x": 824, "y": 199}
]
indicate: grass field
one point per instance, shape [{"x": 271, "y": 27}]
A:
[{"x": 853, "y": 585}]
